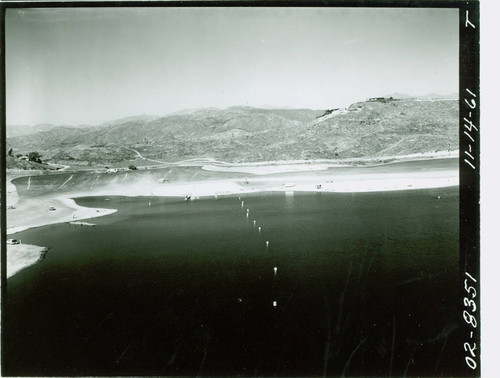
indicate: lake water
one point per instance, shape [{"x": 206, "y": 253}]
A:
[{"x": 366, "y": 284}]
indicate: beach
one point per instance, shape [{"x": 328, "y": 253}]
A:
[
  {"x": 35, "y": 212},
  {"x": 19, "y": 256}
]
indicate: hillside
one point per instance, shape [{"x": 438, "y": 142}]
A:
[
  {"x": 21, "y": 130},
  {"x": 244, "y": 134},
  {"x": 13, "y": 163}
]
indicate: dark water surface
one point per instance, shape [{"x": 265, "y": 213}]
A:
[{"x": 366, "y": 284}]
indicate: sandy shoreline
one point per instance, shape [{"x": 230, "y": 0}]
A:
[
  {"x": 38, "y": 213},
  {"x": 32, "y": 213},
  {"x": 21, "y": 256},
  {"x": 310, "y": 164}
]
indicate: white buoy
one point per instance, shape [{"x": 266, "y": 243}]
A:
[
  {"x": 275, "y": 270},
  {"x": 248, "y": 210},
  {"x": 149, "y": 203},
  {"x": 242, "y": 202},
  {"x": 260, "y": 229},
  {"x": 267, "y": 243},
  {"x": 247, "y": 215},
  {"x": 254, "y": 222},
  {"x": 275, "y": 303}
]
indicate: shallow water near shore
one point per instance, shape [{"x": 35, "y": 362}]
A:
[{"x": 365, "y": 284}]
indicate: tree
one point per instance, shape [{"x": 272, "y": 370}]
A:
[
  {"x": 34, "y": 156},
  {"x": 132, "y": 167},
  {"x": 10, "y": 152}
]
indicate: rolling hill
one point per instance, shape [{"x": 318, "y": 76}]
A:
[{"x": 243, "y": 134}]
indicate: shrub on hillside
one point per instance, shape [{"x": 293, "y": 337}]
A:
[{"x": 34, "y": 157}]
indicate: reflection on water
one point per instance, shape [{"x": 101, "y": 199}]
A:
[{"x": 350, "y": 284}]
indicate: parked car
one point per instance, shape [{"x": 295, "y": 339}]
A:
[
  {"x": 13, "y": 241},
  {"x": 52, "y": 208}
]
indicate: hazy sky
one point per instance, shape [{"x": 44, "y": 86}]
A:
[{"x": 87, "y": 66}]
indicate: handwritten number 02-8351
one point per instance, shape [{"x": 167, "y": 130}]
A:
[{"x": 470, "y": 308}]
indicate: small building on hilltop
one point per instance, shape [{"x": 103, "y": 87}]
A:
[{"x": 381, "y": 99}]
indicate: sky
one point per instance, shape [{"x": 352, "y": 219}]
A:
[{"x": 91, "y": 65}]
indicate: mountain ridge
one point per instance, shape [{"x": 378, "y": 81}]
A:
[{"x": 243, "y": 134}]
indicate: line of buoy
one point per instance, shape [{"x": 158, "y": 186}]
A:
[{"x": 275, "y": 269}]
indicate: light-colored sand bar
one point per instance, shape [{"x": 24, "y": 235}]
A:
[
  {"x": 269, "y": 169},
  {"x": 35, "y": 212},
  {"x": 20, "y": 256},
  {"x": 319, "y": 164}
]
